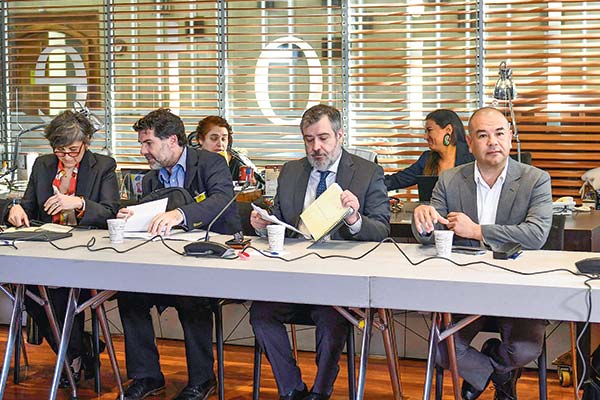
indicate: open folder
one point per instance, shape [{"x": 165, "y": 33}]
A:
[
  {"x": 324, "y": 215},
  {"x": 321, "y": 218}
]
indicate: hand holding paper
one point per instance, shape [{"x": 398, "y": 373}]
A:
[
  {"x": 271, "y": 218},
  {"x": 139, "y": 220}
]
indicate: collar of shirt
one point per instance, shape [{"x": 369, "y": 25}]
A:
[
  {"x": 177, "y": 176},
  {"x": 313, "y": 181},
  {"x": 488, "y": 197}
]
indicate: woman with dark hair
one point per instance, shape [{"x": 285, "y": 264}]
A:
[
  {"x": 445, "y": 135},
  {"x": 214, "y": 134},
  {"x": 71, "y": 186}
]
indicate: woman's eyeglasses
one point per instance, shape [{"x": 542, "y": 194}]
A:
[{"x": 62, "y": 153}]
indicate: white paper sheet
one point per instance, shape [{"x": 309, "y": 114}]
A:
[
  {"x": 143, "y": 214},
  {"x": 268, "y": 217}
]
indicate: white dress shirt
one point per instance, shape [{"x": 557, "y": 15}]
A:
[{"x": 488, "y": 197}]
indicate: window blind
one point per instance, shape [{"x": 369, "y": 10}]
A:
[
  {"x": 553, "y": 48},
  {"x": 406, "y": 60}
]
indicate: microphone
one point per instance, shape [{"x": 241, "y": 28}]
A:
[
  {"x": 208, "y": 248},
  {"x": 94, "y": 120}
]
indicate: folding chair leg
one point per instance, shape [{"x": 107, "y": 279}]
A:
[
  {"x": 17, "y": 361},
  {"x": 439, "y": 383},
  {"x": 542, "y": 372},
  {"x": 218, "y": 316},
  {"x": 96, "y": 352},
  {"x": 447, "y": 321},
  {"x": 391, "y": 351},
  {"x": 257, "y": 366}
]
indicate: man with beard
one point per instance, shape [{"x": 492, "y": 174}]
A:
[
  {"x": 300, "y": 183},
  {"x": 206, "y": 176}
]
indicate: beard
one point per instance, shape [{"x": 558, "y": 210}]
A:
[{"x": 325, "y": 160}]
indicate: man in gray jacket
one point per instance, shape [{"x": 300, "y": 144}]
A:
[{"x": 491, "y": 201}]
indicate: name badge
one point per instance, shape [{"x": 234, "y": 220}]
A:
[{"x": 200, "y": 197}]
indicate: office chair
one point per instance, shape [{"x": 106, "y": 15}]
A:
[
  {"x": 555, "y": 241},
  {"x": 363, "y": 153},
  {"x": 350, "y": 350}
]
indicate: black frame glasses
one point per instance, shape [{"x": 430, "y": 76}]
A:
[{"x": 62, "y": 153}]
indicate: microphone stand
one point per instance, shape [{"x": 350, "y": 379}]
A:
[
  {"x": 16, "y": 150},
  {"x": 208, "y": 248}
]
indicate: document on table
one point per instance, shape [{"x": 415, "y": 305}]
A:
[
  {"x": 271, "y": 218},
  {"x": 143, "y": 214}
]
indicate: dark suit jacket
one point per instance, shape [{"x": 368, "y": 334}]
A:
[
  {"x": 96, "y": 182},
  {"x": 361, "y": 177},
  {"x": 408, "y": 176},
  {"x": 524, "y": 212},
  {"x": 206, "y": 173}
]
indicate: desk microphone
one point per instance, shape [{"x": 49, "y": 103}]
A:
[{"x": 208, "y": 248}]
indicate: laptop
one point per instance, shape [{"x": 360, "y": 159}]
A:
[{"x": 425, "y": 184}]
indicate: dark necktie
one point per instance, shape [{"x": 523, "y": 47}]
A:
[{"x": 322, "y": 186}]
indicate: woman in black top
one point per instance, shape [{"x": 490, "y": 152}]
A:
[{"x": 445, "y": 135}]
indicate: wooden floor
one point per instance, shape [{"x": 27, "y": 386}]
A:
[{"x": 238, "y": 376}]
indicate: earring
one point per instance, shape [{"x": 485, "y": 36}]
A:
[{"x": 446, "y": 140}]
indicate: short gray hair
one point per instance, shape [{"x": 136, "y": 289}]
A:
[
  {"x": 69, "y": 127},
  {"x": 315, "y": 113}
]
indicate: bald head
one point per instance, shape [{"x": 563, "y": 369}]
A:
[
  {"x": 486, "y": 113},
  {"x": 489, "y": 139}
]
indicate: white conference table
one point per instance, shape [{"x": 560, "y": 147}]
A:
[
  {"x": 154, "y": 268},
  {"x": 382, "y": 279}
]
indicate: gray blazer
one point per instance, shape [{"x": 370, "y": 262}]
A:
[
  {"x": 524, "y": 211},
  {"x": 361, "y": 177}
]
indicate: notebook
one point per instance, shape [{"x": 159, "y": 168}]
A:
[
  {"x": 425, "y": 184},
  {"x": 326, "y": 214}
]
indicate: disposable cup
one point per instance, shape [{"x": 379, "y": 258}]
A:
[
  {"x": 116, "y": 229},
  {"x": 443, "y": 243},
  {"x": 276, "y": 236}
]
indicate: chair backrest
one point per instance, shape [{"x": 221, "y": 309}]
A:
[
  {"x": 525, "y": 157},
  {"x": 556, "y": 237},
  {"x": 363, "y": 153}
]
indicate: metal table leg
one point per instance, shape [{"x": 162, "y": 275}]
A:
[
  {"x": 364, "y": 353},
  {"x": 64, "y": 342},
  {"x": 431, "y": 354},
  {"x": 14, "y": 330}
]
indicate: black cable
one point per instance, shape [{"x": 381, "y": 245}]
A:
[{"x": 590, "y": 277}]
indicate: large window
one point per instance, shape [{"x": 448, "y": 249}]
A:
[{"x": 258, "y": 63}]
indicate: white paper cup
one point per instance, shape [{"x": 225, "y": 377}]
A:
[
  {"x": 276, "y": 236},
  {"x": 116, "y": 229},
  {"x": 443, "y": 243}
]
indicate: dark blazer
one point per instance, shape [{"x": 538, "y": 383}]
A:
[
  {"x": 96, "y": 182},
  {"x": 524, "y": 212},
  {"x": 361, "y": 177},
  {"x": 206, "y": 173},
  {"x": 408, "y": 176}
]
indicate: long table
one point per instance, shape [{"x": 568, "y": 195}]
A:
[
  {"x": 582, "y": 229},
  {"x": 382, "y": 279}
]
